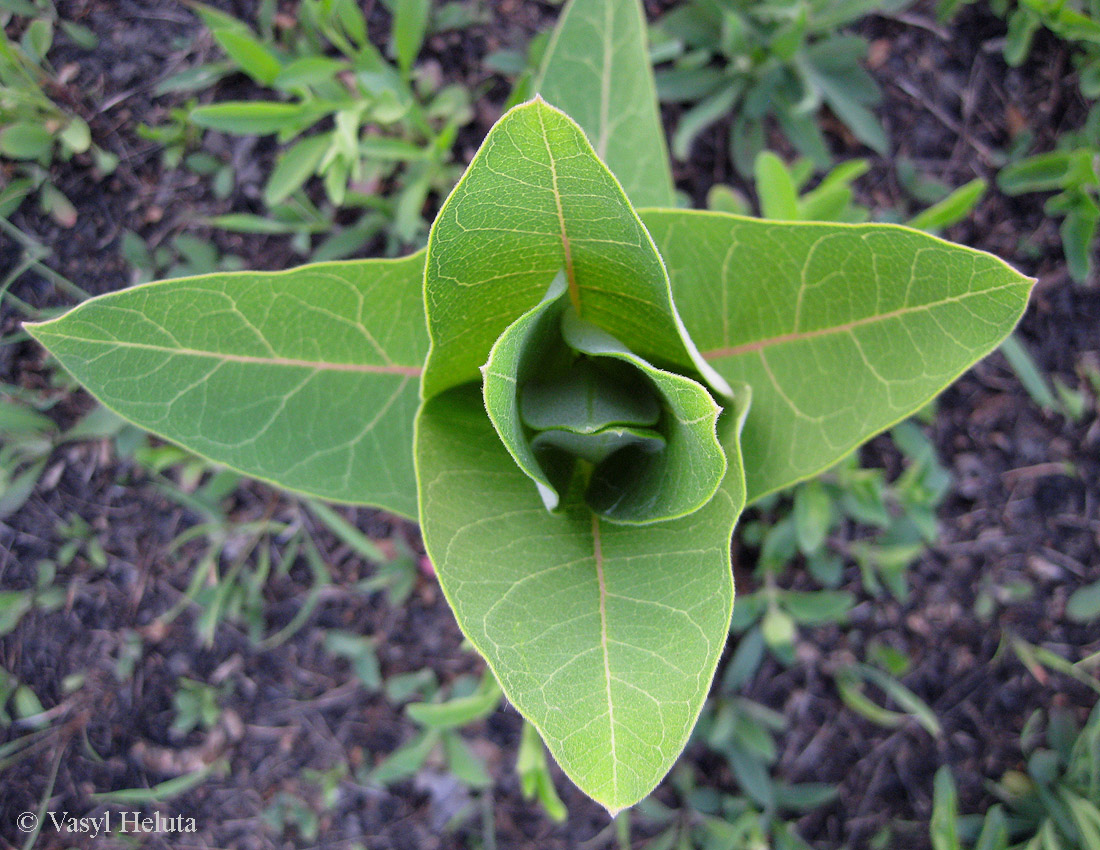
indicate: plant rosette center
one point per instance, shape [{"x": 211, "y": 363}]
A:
[{"x": 575, "y": 407}]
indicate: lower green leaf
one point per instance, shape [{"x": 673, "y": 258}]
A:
[{"x": 604, "y": 636}]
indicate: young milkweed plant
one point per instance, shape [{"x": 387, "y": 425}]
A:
[{"x": 576, "y": 388}]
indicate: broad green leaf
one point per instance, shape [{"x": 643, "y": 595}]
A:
[
  {"x": 597, "y": 70},
  {"x": 537, "y": 199},
  {"x": 305, "y": 378},
  {"x": 840, "y": 330},
  {"x": 604, "y": 636},
  {"x": 25, "y": 140}
]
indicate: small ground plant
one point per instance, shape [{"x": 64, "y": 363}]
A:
[
  {"x": 576, "y": 388},
  {"x": 1070, "y": 169},
  {"x": 768, "y": 60},
  {"x": 1051, "y": 805},
  {"x": 387, "y": 127},
  {"x": 34, "y": 130}
]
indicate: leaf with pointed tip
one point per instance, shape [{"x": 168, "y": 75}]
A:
[
  {"x": 304, "y": 378},
  {"x": 597, "y": 70},
  {"x": 604, "y": 636},
  {"x": 841, "y": 330},
  {"x": 537, "y": 199}
]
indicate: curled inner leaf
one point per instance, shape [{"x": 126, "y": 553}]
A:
[{"x": 569, "y": 400}]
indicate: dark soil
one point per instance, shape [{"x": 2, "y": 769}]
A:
[{"x": 1025, "y": 506}]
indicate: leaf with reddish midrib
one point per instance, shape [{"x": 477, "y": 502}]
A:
[
  {"x": 604, "y": 636},
  {"x": 306, "y": 378},
  {"x": 537, "y": 199},
  {"x": 840, "y": 330}
]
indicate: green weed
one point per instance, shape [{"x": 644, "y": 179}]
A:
[
  {"x": 764, "y": 60},
  {"x": 35, "y": 131},
  {"x": 388, "y": 126}
]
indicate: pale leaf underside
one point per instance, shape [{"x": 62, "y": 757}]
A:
[
  {"x": 840, "y": 330},
  {"x": 307, "y": 378},
  {"x": 604, "y": 636},
  {"x": 535, "y": 200}
]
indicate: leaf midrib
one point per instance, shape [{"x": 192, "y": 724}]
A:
[
  {"x": 316, "y": 365},
  {"x": 605, "y": 84},
  {"x": 597, "y": 549},
  {"x": 798, "y": 336},
  {"x": 570, "y": 276}
]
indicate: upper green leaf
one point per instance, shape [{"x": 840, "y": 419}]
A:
[
  {"x": 305, "y": 378},
  {"x": 587, "y": 399},
  {"x": 604, "y": 636},
  {"x": 841, "y": 330},
  {"x": 597, "y": 70},
  {"x": 537, "y": 199}
]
